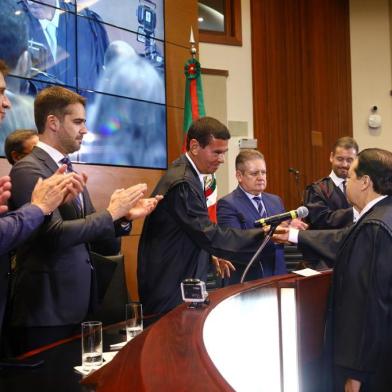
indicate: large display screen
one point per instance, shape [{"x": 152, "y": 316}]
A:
[{"x": 111, "y": 52}]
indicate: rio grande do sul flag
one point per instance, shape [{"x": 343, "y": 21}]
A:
[{"x": 194, "y": 108}]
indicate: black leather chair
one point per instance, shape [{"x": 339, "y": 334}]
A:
[
  {"x": 111, "y": 288},
  {"x": 294, "y": 258}
]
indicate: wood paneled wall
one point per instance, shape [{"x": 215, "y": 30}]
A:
[
  {"x": 179, "y": 17},
  {"x": 301, "y": 87}
]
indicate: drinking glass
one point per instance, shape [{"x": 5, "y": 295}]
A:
[
  {"x": 91, "y": 345},
  {"x": 133, "y": 319}
]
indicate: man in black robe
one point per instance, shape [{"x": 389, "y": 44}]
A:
[
  {"x": 178, "y": 239},
  {"x": 326, "y": 199},
  {"x": 361, "y": 319}
]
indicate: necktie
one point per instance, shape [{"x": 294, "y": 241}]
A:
[
  {"x": 260, "y": 206},
  {"x": 344, "y": 187},
  {"x": 67, "y": 161},
  {"x": 51, "y": 31}
]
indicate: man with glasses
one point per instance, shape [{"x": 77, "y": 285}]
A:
[
  {"x": 358, "y": 338},
  {"x": 326, "y": 199},
  {"x": 248, "y": 203}
]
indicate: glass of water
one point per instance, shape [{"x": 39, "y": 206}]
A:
[
  {"x": 91, "y": 345},
  {"x": 133, "y": 319}
]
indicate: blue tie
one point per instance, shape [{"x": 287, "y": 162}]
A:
[
  {"x": 67, "y": 161},
  {"x": 260, "y": 206}
]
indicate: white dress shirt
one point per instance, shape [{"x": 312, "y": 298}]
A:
[
  {"x": 49, "y": 27},
  {"x": 339, "y": 183},
  {"x": 293, "y": 233}
]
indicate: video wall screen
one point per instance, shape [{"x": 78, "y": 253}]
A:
[{"x": 111, "y": 52}]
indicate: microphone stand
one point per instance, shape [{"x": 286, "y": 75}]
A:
[
  {"x": 296, "y": 176},
  {"x": 262, "y": 246},
  {"x": 297, "y": 184}
]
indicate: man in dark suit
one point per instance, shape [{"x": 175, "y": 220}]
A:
[
  {"x": 326, "y": 199},
  {"x": 52, "y": 31},
  {"x": 360, "y": 322},
  {"x": 178, "y": 238},
  {"x": 54, "y": 283},
  {"x": 17, "y": 226},
  {"x": 248, "y": 203}
]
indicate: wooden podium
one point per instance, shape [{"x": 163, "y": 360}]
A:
[{"x": 259, "y": 335}]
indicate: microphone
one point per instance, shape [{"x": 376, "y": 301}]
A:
[
  {"x": 300, "y": 212},
  {"x": 293, "y": 170}
]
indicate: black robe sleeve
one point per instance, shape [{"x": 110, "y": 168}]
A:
[
  {"x": 321, "y": 243},
  {"x": 362, "y": 302},
  {"x": 192, "y": 217},
  {"x": 324, "y": 212}
]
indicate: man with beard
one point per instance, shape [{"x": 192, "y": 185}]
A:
[
  {"x": 54, "y": 283},
  {"x": 326, "y": 198},
  {"x": 17, "y": 226},
  {"x": 359, "y": 328}
]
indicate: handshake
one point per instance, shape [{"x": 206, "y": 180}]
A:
[{"x": 281, "y": 233}]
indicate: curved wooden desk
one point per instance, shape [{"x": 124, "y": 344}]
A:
[{"x": 239, "y": 335}]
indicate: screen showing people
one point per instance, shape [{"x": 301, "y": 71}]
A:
[{"x": 111, "y": 52}]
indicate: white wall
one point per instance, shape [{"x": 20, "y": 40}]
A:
[
  {"x": 238, "y": 61},
  {"x": 371, "y": 70}
]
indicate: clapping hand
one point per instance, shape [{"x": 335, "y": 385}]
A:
[
  {"x": 48, "y": 194},
  {"x": 143, "y": 207},
  {"x": 5, "y": 193},
  {"x": 123, "y": 200}
]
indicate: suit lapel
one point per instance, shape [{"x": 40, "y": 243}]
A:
[
  {"x": 52, "y": 167},
  {"x": 272, "y": 206},
  {"x": 195, "y": 179},
  {"x": 250, "y": 209},
  {"x": 45, "y": 158}
]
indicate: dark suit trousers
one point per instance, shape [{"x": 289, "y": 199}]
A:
[{"x": 24, "y": 339}]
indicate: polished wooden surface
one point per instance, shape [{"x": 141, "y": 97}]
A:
[
  {"x": 301, "y": 85},
  {"x": 310, "y": 312},
  {"x": 171, "y": 354}
]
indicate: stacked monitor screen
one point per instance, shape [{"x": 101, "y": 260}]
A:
[{"x": 109, "y": 51}]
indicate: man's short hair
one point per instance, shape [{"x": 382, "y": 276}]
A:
[
  {"x": 13, "y": 32},
  {"x": 3, "y": 68},
  {"x": 377, "y": 164},
  {"x": 204, "y": 129},
  {"x": 245, "y": 156},
  {"x": 347, "y": 143},
  {"x": 54, "y": 101},
  {"x": 15, "y": 142}
]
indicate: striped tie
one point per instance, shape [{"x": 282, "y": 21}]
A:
[
  {"x": 260, "y": 206},
  {"x": 67, "y": 161}
]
